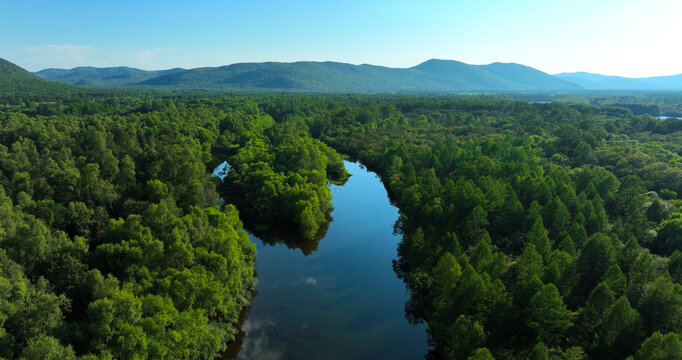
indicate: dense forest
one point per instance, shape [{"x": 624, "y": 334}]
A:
[
  {"x": 114, "y": 243},
  {"x": 530, "y": 230}
]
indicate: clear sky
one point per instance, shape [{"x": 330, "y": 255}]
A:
[{"x": 633, "y": 38}]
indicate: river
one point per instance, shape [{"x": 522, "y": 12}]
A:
[{"x": 336, "y": 299}]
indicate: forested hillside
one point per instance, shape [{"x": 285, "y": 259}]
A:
[
  {"x": 17, "y": 84},
  {"x": 333, "y": 77},
  {"x": 102, "y": 77}
]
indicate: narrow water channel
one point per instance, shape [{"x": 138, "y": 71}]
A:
[{"x": 339, "y": 298}]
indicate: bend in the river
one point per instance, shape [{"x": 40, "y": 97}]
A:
[{"x": 340, "y": 301}]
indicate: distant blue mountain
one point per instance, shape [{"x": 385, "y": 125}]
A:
[
  {"x": 102, "y": 77},
  {"x": 445, "y": 76},
  {"x": 333, "y": 77},
  {"x": 591, "y": 81}
]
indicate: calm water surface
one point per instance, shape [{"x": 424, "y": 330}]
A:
[{"x": 342, "y": 300}]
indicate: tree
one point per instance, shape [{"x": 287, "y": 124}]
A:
[
  {"x": 43, "y": 347},
  {"x": 100, "y": 319},
  {"x": 620, "y": 331},
  {"x": 656, "y": 212},
  {"x": 568, "y": 246},
  {"x": 561, "y": 271},
  {"x": 661, "y": 306},
  {"x": 476, "y": 223},
  {"x": 481, "y": 354},
  {"x": 669, "y": 237},
  {"x": 548, "y": 316},
  {"x": 590, "y": 318},
  {"x": 464, "y": 336},
  {"x": 539, "y": 352},
  {"x": 529, "y": 264},
  {"x": 642, "y": 272},
  {"x": 630, "y": 194},
  {"x": 675, "y": 266},
  {"x": 556, "y": 215},
  {"x": 125, "y": 179},
  {"x": 616, "y": 280},
  {"x": 660, "y": 347},
  {"x": 578, "y": 233},
  {"x": 595, "y": 259},
  {"x": 446, "y": 274},
  {"x": 537, "y": 236},
  {"x": 628, "y": 254}
]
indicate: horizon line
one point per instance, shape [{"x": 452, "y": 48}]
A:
[{"x": 347, "y": 63}]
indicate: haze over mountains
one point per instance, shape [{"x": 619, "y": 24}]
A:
[
  {"x": 103, "y": 77},
  {"x": 603, "y": 82},
  {"x": 323, "y": 77},
  {"x": 431, "y": 76},
  {"x": 333, "y": 77}
]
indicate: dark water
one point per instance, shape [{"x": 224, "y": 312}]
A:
[{"x": 342, "y": 300}]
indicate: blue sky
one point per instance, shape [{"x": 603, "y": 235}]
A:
[{"x": 628, "y": 38}]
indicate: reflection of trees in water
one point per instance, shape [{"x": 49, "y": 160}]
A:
[
  {"x": 235, "y": 346},
  {"x": 246, "y": 346},
  {"x": 289, "y": 236},
  {"x": 414, "y": 307},
  {"x": 276, "y": 233}
]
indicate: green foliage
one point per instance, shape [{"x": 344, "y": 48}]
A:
[
  {"x": 661, "y": 306},
  {"x": 44, "y": 347},
  {"x": 109, "y": 241},
  {"x": 556, "y": 197},
  {"x": 595, "y": 259},
  {"x": 539, "y": 352},
  {"x": 279, "y": 175},
  {"x": 642, "y": 272},
  {"x": 669, "y": 236},
  {"x": 620, "y": 331},
  {"x": 660, "y": 347},
  {"x": 466, "y": 335},
  {"x": 675, "y": 266},
  {"x": 548, "y": 316},
  {"x": 521, "y": 223},
  {"x": 481, "y": 354}
]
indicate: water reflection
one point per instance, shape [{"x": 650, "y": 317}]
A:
[
  {"x": 289, "y": 237},
  {"x": 256, "y": 344},
  {"x": 277, "y": 234},
  {"x": 337, "y": 298},
  {"x": 222, "y": 170}
]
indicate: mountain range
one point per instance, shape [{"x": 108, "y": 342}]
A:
[
  {"x": 432, "y": 76},
  {"x": 324, "y": 77},
  {"x": 603, "y": 82},
  {"x": 102, "y": 77}
]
